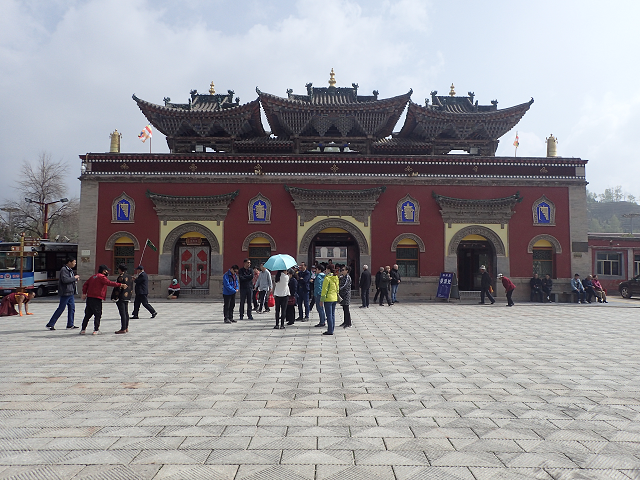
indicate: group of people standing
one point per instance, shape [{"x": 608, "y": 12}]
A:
[
  {"x": 324, "y": 285},
  {"x": 94, "y": 291},
  {"x": 387, "y": 281}
]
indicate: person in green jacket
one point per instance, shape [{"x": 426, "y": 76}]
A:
[{"x": 329, "y": 297}]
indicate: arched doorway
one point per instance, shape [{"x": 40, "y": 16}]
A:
[
  {"x": 474, "y": 251},
  {"x": 193, "y": 254},
  {"x": 338, "y": 245},
  {"x": 473, "y": 246},
  {"x": 337, "y": 234}
]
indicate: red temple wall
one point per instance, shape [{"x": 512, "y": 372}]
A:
[{"x": 384, "y": 227}]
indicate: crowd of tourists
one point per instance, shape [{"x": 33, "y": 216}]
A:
[{"x": 324, "y": 286}]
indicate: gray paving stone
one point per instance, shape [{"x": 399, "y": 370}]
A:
[{"x": 516, "y": 395}]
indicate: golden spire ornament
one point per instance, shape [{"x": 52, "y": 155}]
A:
[
  {"x": 212, "y": 90},
  {"x": 332, "y": 79},
  {"x": 452, "y": 92}
]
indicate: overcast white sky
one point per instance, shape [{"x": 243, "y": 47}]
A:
[{"x": 68, "y": 68}]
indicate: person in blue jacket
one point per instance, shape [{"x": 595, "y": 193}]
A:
[{"x": 230, "y": 287}]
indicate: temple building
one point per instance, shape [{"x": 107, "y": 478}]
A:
[{"x": 334, "y": 177}]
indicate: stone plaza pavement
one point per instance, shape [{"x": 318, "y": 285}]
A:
[{"x": 412, "y": 391}]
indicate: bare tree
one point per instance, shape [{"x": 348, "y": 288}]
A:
[{"x": 43, "y": 182}]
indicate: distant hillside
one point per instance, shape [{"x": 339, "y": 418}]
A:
[{"x": 608, "y": 217}]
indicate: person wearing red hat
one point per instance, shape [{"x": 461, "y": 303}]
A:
[{"x": 94, "y": 291}]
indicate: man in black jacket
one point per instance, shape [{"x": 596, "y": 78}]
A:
[
  {"x": 66, "y": 290},
  {"x": 536, "y": 288},
  {"x": 304, "y": 278},
  {"x": 395, "y": 282},
  {"x": 245, "y": 277},
  {"x": 122, "y": 297},
  {"x": 377, "y": 283},
  {"x": 142, "y": 290},
  {"x": 485, "y": 283},
  {"x": 365, "y": 285},
  {"x": 547, "y": 285}
]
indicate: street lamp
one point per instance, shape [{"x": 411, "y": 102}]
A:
[{"x": 45, "y": 236}]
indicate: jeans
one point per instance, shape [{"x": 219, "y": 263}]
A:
[
  {"x": 330, "y": 311},
  {"x": 535, "y": 294},
  {"x": 509, "y": 301},
  {"x": 384, "y": 294},
  {"x": 483, "y": 292},
  {"x": 347, "y": 315},
  {"x": 141, "y": 299},
  {"x": 264, "y": 298},
  {"x": 281, "y": 309},
  {"x": 320, "y": 309},
  {"x": 303, "y": 299},
  {"x": 579, "y": 295},
  {"x": 364, "y": 295},
  {"x": 394, "y": 290},
  {"x": 229, "y": 305},
  {"x": 93, "y": 309},
  {"x": 123, "y": 309},
  {"x": 65, "y": 301},
  {"x": 245, "y": 298}
]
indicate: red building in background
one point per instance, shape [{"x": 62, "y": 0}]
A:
[{"x": 333, "y": 180}]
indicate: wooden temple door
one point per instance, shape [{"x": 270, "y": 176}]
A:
[{"x": 194, "y": 268}]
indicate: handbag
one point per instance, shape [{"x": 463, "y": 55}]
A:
[
  {"x": 271, "y": 302},
  {"x": 292, "y": 300},
  {"x": 490, "y": 289}
]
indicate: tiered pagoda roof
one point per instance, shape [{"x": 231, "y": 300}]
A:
[
  {"x": 208, "y": 120},
  {"x": 457, "y": 123},
  {"x": 330, "y": 120},
  {"x": 337, "y": 115}
]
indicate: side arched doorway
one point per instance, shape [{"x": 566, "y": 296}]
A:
[
  {"x": 194, "y": 256},
  {"x": 475, "y": 246},
  {"x": 338, "y": 240}
]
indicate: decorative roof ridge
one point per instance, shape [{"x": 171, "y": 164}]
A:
[
  {"x": 430, "y": 109},
  {"x": 512, "y": 199},
  {"x": 225, "y": 197},
  {"x": 367, "y": 192},
  {"x": 299, "y": 101},
  {"x": 187, "y": 107}
]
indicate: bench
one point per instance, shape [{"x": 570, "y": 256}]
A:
[{"x": 469, "y": 295}]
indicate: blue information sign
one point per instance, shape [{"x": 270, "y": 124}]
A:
[{"x": 444, "y": 285}]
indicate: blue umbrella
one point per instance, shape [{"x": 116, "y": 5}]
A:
[{"x": 280, "y": 262}]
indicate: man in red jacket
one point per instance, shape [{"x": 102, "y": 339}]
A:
[
  {"x": 509, "y": 287},
  {"x": 95, "y": 291}
]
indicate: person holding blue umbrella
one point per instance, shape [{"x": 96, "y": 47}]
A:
[
  {"x": 281, "y": 294},
  {"x": 280, "y": 261}
]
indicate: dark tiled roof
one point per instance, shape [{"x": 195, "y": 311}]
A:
[
  {"x": 332, "y": 113},
  {"x": 205, "y": 116},
  {"x": 460, "y": 121}
]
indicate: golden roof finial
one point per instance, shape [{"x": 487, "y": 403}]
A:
[
  {"x": 332, "y": 80},
  {"x": 212, "y": 90},
  {"x": 452, "y": 92}
]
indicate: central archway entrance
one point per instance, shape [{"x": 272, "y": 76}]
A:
[
  {"x": 336, "y": 233},
  {"x": 471, "y": 247},
  {"x": 474, "y": 251},
  {"x": 339, "y": 246}
]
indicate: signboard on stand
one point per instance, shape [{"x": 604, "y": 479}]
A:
[{"x": 446, "y": 281}]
